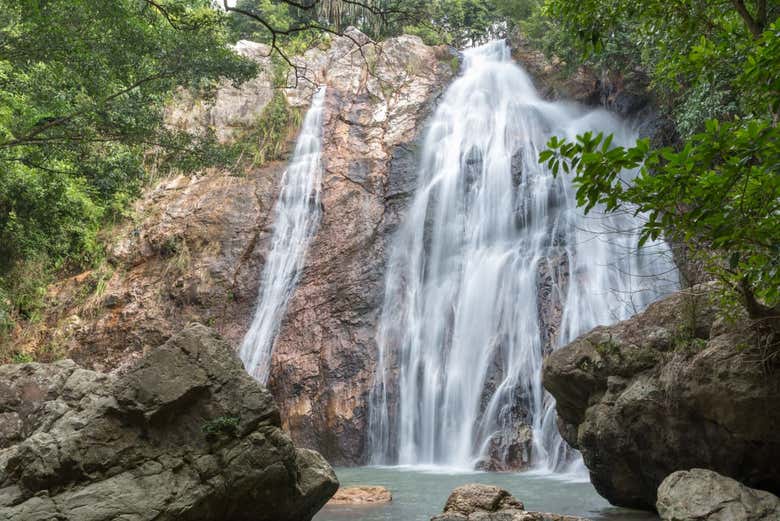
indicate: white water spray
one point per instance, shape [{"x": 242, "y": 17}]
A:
[
  {"x": 296, "y": 217},
  {"x": 493, "y": 264}
]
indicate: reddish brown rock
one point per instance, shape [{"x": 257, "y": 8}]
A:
[
  {"x": 361, "y": 495},
  {"x": 324, "y": 358}
]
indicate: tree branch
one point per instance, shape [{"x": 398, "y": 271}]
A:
[
  {"x": 755, "y": 26},
  {"x": 54, "y": 122},
  {"x": 276, "y": 32}
]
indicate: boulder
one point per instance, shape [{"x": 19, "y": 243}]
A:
[
  {"x": 508, "y": 450},
  {"x": 185, "y": 434},
  {"x": 704, "y": 495},
  {"x": 673, "y": 388},
  {"x": 361, "y": 495},
  {"x": 478, "y": 502}
]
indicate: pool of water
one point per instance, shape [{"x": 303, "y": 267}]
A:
[{"x": 419, "y": 494}]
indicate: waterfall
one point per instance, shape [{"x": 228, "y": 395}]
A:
[
  {"x": 296, "y": 216},
  {"x": 493, "y": 266}
]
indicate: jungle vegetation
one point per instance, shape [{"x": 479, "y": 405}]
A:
[{"x": 84, "y": 85}]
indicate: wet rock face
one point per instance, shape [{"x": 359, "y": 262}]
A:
[
  {"x": 185, "y": 434},
  {"x": 324, "y": 358},
  {"x": 703, "y": 495},
  {"x": 508, "y": 450},
  {"x": 672, "y": 388},
  {"x": 628, "y": 95}
]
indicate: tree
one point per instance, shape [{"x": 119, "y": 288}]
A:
[
  {"x": 719, "y": 191},
  {"x": 83, "y": 86}
]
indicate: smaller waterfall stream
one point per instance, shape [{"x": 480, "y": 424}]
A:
[
  {"x": 493, "y": 266},
  {"x": 296, "y": 217}
]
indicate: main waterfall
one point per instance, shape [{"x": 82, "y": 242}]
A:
[
  {"x": 296, "y": 216},
  {"x": 493, "y": 266}
]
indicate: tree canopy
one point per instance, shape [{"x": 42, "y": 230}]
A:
[
  {"x": 718, "y": 188},
  {"x": 82, "y": 90}
]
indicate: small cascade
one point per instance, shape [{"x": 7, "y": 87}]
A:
[
  {"x": 493, "y": 267},
  {"x": 296, "y": 217}
]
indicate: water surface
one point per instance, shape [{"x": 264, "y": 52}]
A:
[{"x": 419, "y": 494}]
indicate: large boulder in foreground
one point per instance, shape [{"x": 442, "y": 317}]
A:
[
  {"x": 704, "y": 495},
  {"x": 478, "y": 502},
  {"x": 185, "y": 434},
  {"x": 673, "y": 388}
]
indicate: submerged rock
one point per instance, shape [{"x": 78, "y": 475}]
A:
[
  {"x": 478, "y": 502},
  {"x": 672, "y": 388},
  {"x": 361, "y": 495},
  {"x": 185, "y": 434},
  {"x": 704, "y": 495}
]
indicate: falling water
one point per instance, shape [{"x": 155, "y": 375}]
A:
[
  {"x": 296, "y": 216},
  {"x": 493, "y": 266}
]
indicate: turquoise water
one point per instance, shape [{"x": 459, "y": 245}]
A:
[{"x": 420, "y": 494}]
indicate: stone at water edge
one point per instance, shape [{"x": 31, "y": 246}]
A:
[
  {"x": 478, "y": 502},
  {"x": 672, "y": 388},
  {"x": 468, "y": 499},
  {"x": 361, "y": 495},
  {"x": 185, "y": 435},
  {"x": 704, "y": 495}
]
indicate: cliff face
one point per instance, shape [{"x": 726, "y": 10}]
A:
[
  {"x": 673, "y": 388},
  {"x": 324, "y": 357},
  {"x": 196, "y": 243}
]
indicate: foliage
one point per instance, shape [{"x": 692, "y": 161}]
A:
[
  {"x": 22, "y": 358},
  {"x": 689, "y": 47},
  {"x": 221, "y": 425},
  {"x": 266, "y": 139},
  {"x": 82, "y": 91},
  {"x": 453, "y": 22},
  {"x": 720, "y": 189}
]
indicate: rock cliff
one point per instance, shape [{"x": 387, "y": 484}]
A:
[
  {"x": 673, "y": 388},
  {"x": 184, "y": 434},
  {"x": 196, "y": 243},
  {"x": 324, "y": 358}
]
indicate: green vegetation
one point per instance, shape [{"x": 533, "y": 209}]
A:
[
  {"x": 221, "y": 426},
  {"x": 265, "y": 140},
  {"x": 291, "y": 25},
  {"x": 82, "y": 91},
  {"x": 22, "y": 358},
  {"x": 718, "y": 189}
]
